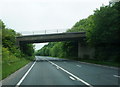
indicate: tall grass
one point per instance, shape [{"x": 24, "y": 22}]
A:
[
  {"x": 11, "y": 63},
  {"x": 9, "y": 68}
]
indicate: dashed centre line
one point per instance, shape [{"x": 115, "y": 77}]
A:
[
  {"x": 71, "y": 78},
  {"x": 79, "y": 65}
]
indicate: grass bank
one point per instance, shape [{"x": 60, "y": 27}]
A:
[{"x": 10, "y": 67}]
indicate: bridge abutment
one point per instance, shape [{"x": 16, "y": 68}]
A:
[{"x": 85, "y": 52}]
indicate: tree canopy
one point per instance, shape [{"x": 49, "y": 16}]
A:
[{"x": 9, "y": 43}]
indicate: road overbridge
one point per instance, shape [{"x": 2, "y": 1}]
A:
[{"x": 83, "y": 50}]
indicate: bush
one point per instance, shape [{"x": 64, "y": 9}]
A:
[{"x": 7, "y": 56}]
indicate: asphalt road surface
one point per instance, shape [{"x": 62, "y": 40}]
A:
[{"x": 55, "y": 71}]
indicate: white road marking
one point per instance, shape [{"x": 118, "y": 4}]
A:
[
  {"x": 57, "y": 67},
  {"x": 116, "y": 76},
  {"x": 72, "y": 74},
  {"x": 79, "y": 65},
  {"x": 71, "y": 78},
  {"x": 18, "y": 84}
]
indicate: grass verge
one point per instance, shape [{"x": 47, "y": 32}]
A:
[
  {"x": 107, "y": 63},
  {"x": 10, "y": 67}
]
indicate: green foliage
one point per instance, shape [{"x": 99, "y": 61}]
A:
[
  {"x": 27, "y": 49},
  {"x": 9, "y": 42},
  {"x": 10, "y": 62},
  {"x": 7, "y": 56},
  {"x": 12, "y": 57},
  {"x": 2, "y": 25},
  {"x": 79, "y": 26},
  {"x": 9, "y": 68},
  {"x": 8, "y": 38},
  {"x": 70, "y": 49},
  {"x": 106, "y": 29},
  {"x": 56, "y": 50},
  {"x": 104, "y": 36}
]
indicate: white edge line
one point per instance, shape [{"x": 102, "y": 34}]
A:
[
  {"x": 116, "y": 76},
  {"x": 72, "y": 75},
  {"x": 21, "y": 80}
]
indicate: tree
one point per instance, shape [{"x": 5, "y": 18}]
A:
[
  {"x": 27, "y": 49},
  {"x": 104, "y": 36}
]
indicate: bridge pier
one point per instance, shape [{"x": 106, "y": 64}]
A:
[
  {"x": 17, "y": 43},
  {"x": 85, "y": 52}
]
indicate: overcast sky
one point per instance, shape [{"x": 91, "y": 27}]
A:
[{"x": 27, "y": 16}]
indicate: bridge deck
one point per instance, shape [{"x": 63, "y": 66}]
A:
[{"x": 51, "y": 37}]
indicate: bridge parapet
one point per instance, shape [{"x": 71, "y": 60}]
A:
[{"x": 44, "y": 31}]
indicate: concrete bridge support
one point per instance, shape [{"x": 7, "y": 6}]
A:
[
  {"x": 85, "y": 51},
  {"x": 17, "y": 43}
]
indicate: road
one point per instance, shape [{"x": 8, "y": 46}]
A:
[{"x": 55, "y": 71}]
